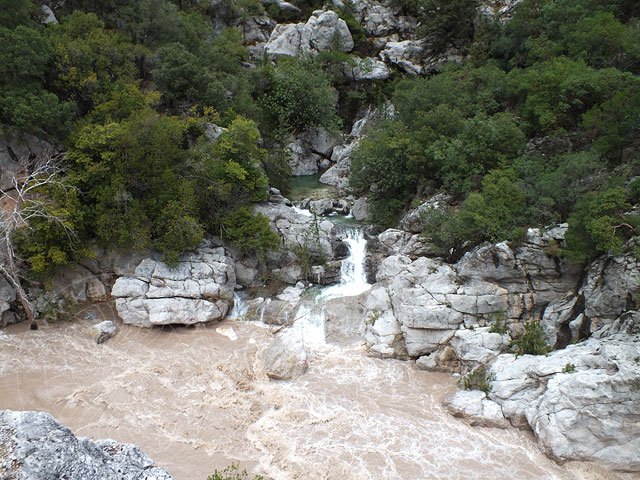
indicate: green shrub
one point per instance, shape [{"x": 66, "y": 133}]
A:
[
  {"x": 569, "y": 368},
  {"x": 499, "y": 325},
  {"x": 232, "y": 472},
  {"x": 532, "y": 342},
  {"x": 478, "y": 379}
]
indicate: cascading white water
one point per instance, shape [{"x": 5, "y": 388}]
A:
[
  {"x": 240, "y": 307},
  {"x": 310, "y": 318},
  {"x": 353, "y": 277}
]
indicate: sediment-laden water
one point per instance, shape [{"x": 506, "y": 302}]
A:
[{"x": 195, "y": 400}]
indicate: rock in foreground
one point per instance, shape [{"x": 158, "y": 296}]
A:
[{"x": 34, "y": 446}]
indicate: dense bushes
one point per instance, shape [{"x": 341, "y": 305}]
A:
[{"x": 539, "y": 126}]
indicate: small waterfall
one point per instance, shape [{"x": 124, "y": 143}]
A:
[
  {"x": 353, "y": 277},
  {"x": 310, "y": 319},
  {"x": 240, "y": 307}
]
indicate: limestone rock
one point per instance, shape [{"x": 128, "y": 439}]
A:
[
  {"x": 581, "y": 402},
  {"x": 360, "y": 209},
  {"x": 49, "y": 16},
  {"x": 285, "y": 358},
  {"x": 322, "y": 142},
  {"x": 35, "y": 446},
  {"x": 322, "y": 32},
  {"x": 475, "y": 347},
  {"x": 302, "y": 160},
  {"x": 338, "y": 175},
  {"x": 198, "y": 289},
  {"x": 398, "y": 242},
  {"x": 366, "y": 69},
  {"x": 345, "y": 319},
  {"x": 412, "y": 221},
  {"x": 380, "y": 20},
  {"x": 15, "y": 152},
  {"x": 78, "y": 284},
  {"x": 406, "y": 55},
  {"x": 7, "y": 297},
  {"x": 476, "y": 409},
  {"x": 297, "y": 229},
  {"x": 103, "y": 331},
  {"x": 611, "y": 287}
]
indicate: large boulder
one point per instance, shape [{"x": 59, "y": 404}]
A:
[
  {"x": 407, "y": 55},
  {"x": 338, "y": 174},
  {"x": 611, "y": 288},
  {"x": 476, "y": 409},
  {"x": 398, "y": 242},
  {"x": 198, "y": 289},
  {"x": 35, "y": 446},
  {"x": 366, "y": 69},
  {"x": 582, "y": 402},
  {"x": 379, "y": 19},
  {"x": 286, "y": 357},
  {"x": 322, "y": 32},
  {"x": 413, "y": 220}
]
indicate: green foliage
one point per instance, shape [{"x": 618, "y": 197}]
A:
[
  {"x": 499, "y": 325},
  {"x": 46, "y": 242},
  {"x": 554, "y": 94},
  {"x": 249, "y": 232},
  {"x": 16, "y": 12},
  {"x": 232, "y": 472},
  {"x": 478, "y": 379},
  {"x": 297, "y": 96},
  {"x": 532, "y": 342},
  {"x": 89, "y": 59},
  {"x": 600, "y": 224},
  {"x": 569, "y": 368},
  {"x": 25, "y": 105},
  {"x": 444, "y": 23}
]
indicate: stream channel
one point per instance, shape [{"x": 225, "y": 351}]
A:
[{"x": 196, "y": 400}]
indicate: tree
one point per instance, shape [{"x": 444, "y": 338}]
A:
[{"x": 26, "y": 204}]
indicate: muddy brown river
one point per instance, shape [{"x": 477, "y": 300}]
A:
[{"x": 195, "y": 400}]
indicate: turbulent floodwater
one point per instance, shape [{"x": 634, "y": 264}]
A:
[{"x": 196, "y": 400}]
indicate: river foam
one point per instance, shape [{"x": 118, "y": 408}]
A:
[{"x": 196, "y": 400}]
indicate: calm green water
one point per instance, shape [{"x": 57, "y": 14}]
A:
[{"x": 309, "y": 186}]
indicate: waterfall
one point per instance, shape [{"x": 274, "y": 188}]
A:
[
  {"x": 240, "y": 307},
  {"x": 310, "y": 317},
  {"x": 353, "y": 277}
]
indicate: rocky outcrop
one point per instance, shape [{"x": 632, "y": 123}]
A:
[
  {"x": 338, "y": 174},
  {"x": 198, "y": 289},
  {"x": 366, "y": 69},
  {"x": 430, "y": 300},
  {"x": 300, "y": 230},
  {"x": 322, "y": 32},
  {"x": 413, "y": 221},
  {"x": 7, "y": 297},
  {"x": 398, "y": 242},
  {"x": 379, "y": 20},
  {"x": 407, "y": 55},
  {"x": 15, "y": 153},
  {"x": 34, "y": 446},
  {"x": 582, "y": 402}
]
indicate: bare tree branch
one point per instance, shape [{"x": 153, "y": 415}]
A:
[{"x": 19, "y": 207}]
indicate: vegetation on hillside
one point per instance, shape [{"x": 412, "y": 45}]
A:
[{"x": 539, "y": 123}]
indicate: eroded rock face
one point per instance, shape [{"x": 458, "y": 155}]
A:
[
  {"x": 7, "y": 297},
  {"x": 33, "y": 445},
  {"x": 431, "y": 300},
  {"x": 15, "y": 152},
  {"x": 407, "y": 55},
  {"x": 198, "y": 289},
  {"x": 322, "y": 32},
  {"x": 297, "y": 229},
  {"x": 583, "y": 402},
  {"x": 366, "y": 69}
]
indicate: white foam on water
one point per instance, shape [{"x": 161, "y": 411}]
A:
[{"x": 302, "y": 211}]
